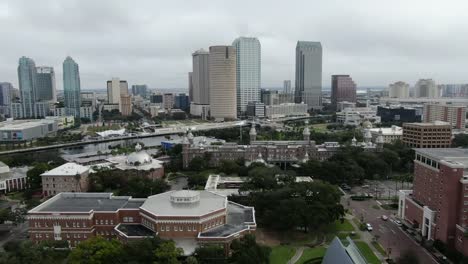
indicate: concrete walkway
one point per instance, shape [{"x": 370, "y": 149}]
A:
[{"x": 296, "y": 256}]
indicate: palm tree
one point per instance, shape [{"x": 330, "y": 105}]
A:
[{"x": 78, "y": 181}]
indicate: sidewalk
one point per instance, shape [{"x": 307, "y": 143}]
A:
[{"x": 366, "y": 237}]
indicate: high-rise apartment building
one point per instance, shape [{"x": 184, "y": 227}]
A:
[
  {"x": 140, "y": 89},
  {"x": 287, "y": 87},
  {"x": 437, "y": 207},
  {"x": 248, "y": 71},
  {"x": 427, "y": 135},
  {"x": 125, "y": 107},
  {"x": 453, "y": 114},
  {"x": 71, "y": 87},
  {"x": 426, "y": 88},
  {"x": 46, "y": 90},
  {"x": 399, "y": 90},
  {"x": 190, "y": 86},
  {"x": 27, "y": 79},
  {"x": 168, "y": 101},
  {"x": 115, "y": 88},
  {"x": 343, "y": 89},
  {"x": 181, "y": 101},
  {"x": 222, "y": 78},
  {"x": 5, "y": 93},
  {"x": 309, "y": 74},
  {"x": 200, "y": 77}
]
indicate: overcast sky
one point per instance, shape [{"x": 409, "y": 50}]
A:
[{"x": 375, "y": 41}]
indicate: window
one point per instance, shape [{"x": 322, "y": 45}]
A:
[
  {"x": 74, "y": 224},
  {"x": 176, "y": 228},
  {"x": 162, "y": 228},
  {"x": 111, "y": 222},
  {"x": 168, "y": 228},
  {"x": 78, "y": 224},
  {"x": 189, "y": 228},
  {"x": 107, "y": 222}
]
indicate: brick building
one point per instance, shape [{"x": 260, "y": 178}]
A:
[
  {"x": 188, "y": 217},
  {"x": 69, "y": 177},
  {"x": 427, "y": 135},
  {"x": 453, "y": 114},
  {"x": 437, "y": 207}
]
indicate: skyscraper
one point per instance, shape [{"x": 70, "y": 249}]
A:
[
  {"x": 45, "y": 90},
  {"x": 248, "y": 71},
  {"x": 399, "y": 90},
  {"x": 222, "y": 68},
  {"x": 5, "y": 93},
  {"x": 140, "y": 89},
  {"x": 190, "y": 86},
  {"x": 200, "y": 78},
  {"x": 27, "y": 80},
  {"x": 343, "y": 89},
  {"x": 426, "y": 88},
  {"x": 71, "y": 87},
  {"x": 116, "y": 88},
  {"x": 309, "y": 74},
  {"x": 287, "y": 87}
]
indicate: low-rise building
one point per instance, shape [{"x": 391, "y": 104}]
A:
[
  {"x": 26, "y": 130},
  {"x": 139, "y": 160},
  {"x": 190, "y": 218},
  {"x": 399, "y": 114},
  {"x": 356, "y": 116},
  {"x": 69, "y": 177},
  {"x": 10, "y": 181},
  {"x": 256, "y": 109},
  {"x": 427, "y": 135},
  {"x": 389, "y": 134},
  {"x": 285, "y": 110},
  {"x": 437, "y": 206}
]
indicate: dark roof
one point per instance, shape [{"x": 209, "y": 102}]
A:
[
  {"x": 135, "y": 230},
  {"x": 238, "y": 218}
]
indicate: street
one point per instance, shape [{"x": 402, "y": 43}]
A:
[{"x": 388, "y": 234}]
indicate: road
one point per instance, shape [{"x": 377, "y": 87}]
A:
[{"x": 389, "y": 234}]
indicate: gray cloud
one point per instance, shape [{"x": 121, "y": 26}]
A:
[{"x": 377, "y": 42}]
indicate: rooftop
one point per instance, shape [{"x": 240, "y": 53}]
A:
[
  {"x": 85, "y": 202},
  {"x": 67, "y": 169},
  {"x": 161, "y": 204},
  {"x": 134, "y": 230},
  {"x": 24, "y": 124},
  {"x": 436, "y": 123},
  {"x": 450, "y": 155},
  {"x": 238, "y": 218}
]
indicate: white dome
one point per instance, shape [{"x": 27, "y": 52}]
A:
[{"x": 141, "y": 157}]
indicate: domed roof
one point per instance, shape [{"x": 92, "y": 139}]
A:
[
  {"x": 367, "y": 124},
  {"x": 306, "y": 131},
  {"x": 139, "y": 156}
]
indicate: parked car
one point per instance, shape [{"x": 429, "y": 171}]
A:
[
  {"x": 369, "y": 227},
  {"x": 398, "y": 223},
  {"x": 384, "y": 217}
]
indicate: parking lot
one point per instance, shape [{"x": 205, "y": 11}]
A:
[{"x": 380, "y": 189}]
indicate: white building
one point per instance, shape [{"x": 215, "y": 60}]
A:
[
  {"x": 399, "y": 90},
  {"x": 389, "y": 134},
  {"x": 248, "y": 59},
  {"x": 426, "y": 88},
  {"x": 356, "y": 116},
  {"x": 284, "y": 110}
]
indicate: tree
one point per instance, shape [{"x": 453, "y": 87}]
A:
[
  {"x": 191, "y": 260},
  {"x": 167, "y": 253},
  {"x": 198, "y": 164},
  {"x": 247, "y": 251},
  {"x": 141, "y": 251},
  {"x": 97, "y": 250},
  {"x": 210, "y": 254},
  {"x": 34, "y": 175},
  {"x": 229, "y": 167}
]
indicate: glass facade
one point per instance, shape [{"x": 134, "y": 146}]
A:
[
  {"x": 45, "y": 90},
  {"x": 309, "y": 74},
  {"x": 71, "y": 87},
  {"x": 248, "y": 69},
  {"x": 27, "y": 80}
]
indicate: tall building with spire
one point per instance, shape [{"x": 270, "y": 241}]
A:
[
  {"x": 309, "y": 74},
  {"x": 71, "y": 87},
  {"x": 248, "y": 71},
  {"x": 27, "y": 79}
]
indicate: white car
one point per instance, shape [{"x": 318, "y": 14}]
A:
[
  {"x": 384, "y": 217},
  {"x": 398, "y": 223},
  {"x": 369, "y": 227}
]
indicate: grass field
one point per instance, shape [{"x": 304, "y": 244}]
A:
[
  {"x": 311, "y": 253},
  {"x": 320, "y": 127},
  {"x": 366, "y": 251},
  {"x": 281, "y": 254}
]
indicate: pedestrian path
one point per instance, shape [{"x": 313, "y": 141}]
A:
[
  {"x": 366, "y": 237},
  {"x": 296, "y": 256}
]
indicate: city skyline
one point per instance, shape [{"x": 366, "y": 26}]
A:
[{"x": 380, "y": 48}]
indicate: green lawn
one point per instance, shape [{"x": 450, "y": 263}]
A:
[
  {"x": 366, "y": 251},
  {"x": 345, "y": 226},
  {"x": 320, "y": 127},
  {"x": 379, "y": 248},
  {"x": 343, "y": 235},
  {"x": 311, "y": 253},
  {"x": 281, "y": 254}
]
